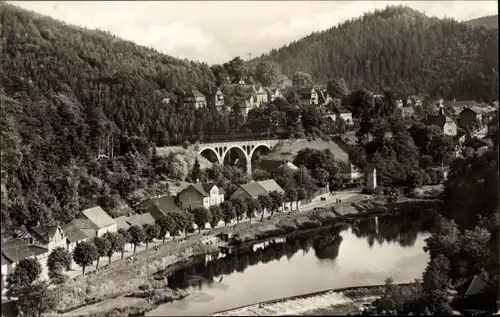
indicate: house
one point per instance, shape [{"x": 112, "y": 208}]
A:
[
  {"x": 14, "y": 250},
  {"x": 323, "y": 97},
  {"x": 141, "y": 219},
  {"x": 122, "y": 223},
  {"x": 472, "y": 291},
  {"x": 479, "y": 145},
  {"x": 261, "y": 95},
  {"x": 241, "y": 81},
  {"x": 200, "y": 195},
  {"x": 413, "y": 101},
  {"x": 407, "y": 112},
  {"x": 471, "y": 118},
  {"x": 256, "y": 189},
  {"x": 98, "y": 220},
  {"x": 49, "y": 237},
  {"x": 195, "y": 98},
  {"x": 216, "y": 100},
  {"x": 273, "y": 166},
  {"x": 273, "y": 93},
  {"x": 448, "y": 126},
  {"x": 308, "y": 96},
  {"x": 339, "y": 112},
  {"x": 158, "y": 207},
  {"x": 399, "y": 103},
  {"x": 75, "y": 235},
  {"x": 350, "y": 175}
]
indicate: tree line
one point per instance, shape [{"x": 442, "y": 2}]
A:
[{"x": 400, "y": 49}]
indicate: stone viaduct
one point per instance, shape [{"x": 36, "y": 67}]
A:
[{"x": 217, "y": 151}]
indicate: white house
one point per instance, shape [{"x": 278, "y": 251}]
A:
[
  {"x": 350, "y": 174},
  {"x": 100, "y": 219},
  {"x": 200, "y": 195}
]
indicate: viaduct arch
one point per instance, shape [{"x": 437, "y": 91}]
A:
[{"x": 244, "y": 150}]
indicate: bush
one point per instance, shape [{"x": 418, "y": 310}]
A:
[{"x": 426, "y": 179}]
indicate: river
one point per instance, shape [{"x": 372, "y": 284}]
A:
[{"x": 364, "y": 253}]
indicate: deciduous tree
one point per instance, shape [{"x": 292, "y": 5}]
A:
[{"x": 84, "y": 254}]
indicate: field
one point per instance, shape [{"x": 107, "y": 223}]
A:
[{"x": 289, "y": 148}]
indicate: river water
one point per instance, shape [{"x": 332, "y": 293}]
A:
[{"x": 364, "y": 253}]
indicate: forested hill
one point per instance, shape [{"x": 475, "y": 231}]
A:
[
  {"x": 490, "y": 21},
  {"x": 65, "y": 93},
  {"x": 402, "y": 49}
]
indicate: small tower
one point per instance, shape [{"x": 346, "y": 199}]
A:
[{"x": 371, "y": 178}]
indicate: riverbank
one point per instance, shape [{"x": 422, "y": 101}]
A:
[
  {"x": 333, "y": 301},
  {"x": 109, "y": 290}
]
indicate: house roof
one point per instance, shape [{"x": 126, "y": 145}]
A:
[
  {"x": 5, "y": 260},
  {"x": 99, "y": 217},
  {"x": 349, "y": 168},
  {"x": 203, "y": 188},
  {"x": 472, "y": 286},
  {"x": 478, "y": 143},
  {"x": 305, "y": 92},
  {"x": 16, "y": 250},
  {"x": 121, "y": 223},
  {"x": 80, "y": 229},
  {"x": 195, "y": 93},
  {"x": 438, "y": 120},
  {"x": 159, "y": 206},
  {"x": 340, "y": 109},
  {"x": 275, "y": 165},
  {"x": 45, "y": 232},
  {"x": 37, "y": 250},
  {"x": 254, "y": 189},
  {"x": 141, "y": 219},
  {"x": 271, "y": 185}
]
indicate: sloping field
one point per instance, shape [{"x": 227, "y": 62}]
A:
[{"x": 289, "y": 148}]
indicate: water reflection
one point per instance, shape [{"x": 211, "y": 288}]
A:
[{"x": 400, "y": 229}]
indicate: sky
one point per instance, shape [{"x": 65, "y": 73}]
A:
[{"x": 217, "y": 31}]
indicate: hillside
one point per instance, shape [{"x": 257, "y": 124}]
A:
[
  {"x": 68, "y": 94},
  {"x": 401, "y": 49},
  {"x": 490, "y": 21}
]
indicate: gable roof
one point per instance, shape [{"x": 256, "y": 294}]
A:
[
  {"x": 141, "y": 219},
  {"x": 340, "y": 109},
  {"x": 159, "y": 206},
  {"x": 270, "y": 185},
  {"x": 44, "y": 233},
  {"x": 5, "y": 260},
  {"x": 195, "y": 93},
  {"x": 121, "y": 223},
  {"x": 253, "y": 189},
  {"x": 438, "y": 120},
  {"x": 38, "y": 250},
  {"x": 473, "y": 286},
  {"x": 99, "y": 217},
  {"x": 16, "y": 250},
  {"x": 79, "y": 229},
  {"x": 202, "y": 188}
]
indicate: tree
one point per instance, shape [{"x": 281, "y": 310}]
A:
[
  {"x": 117, "y": 244},
  {"x": 166, "y": 224},
  {"x": 102, "y": 245},
  {"x": 201, "y": 216},
  {"x": 126, "y": 236},
  {"x": 36, "y": 300},
  {"x": 228, "y": 212},
  {"x": 137, "y": 235},
  {"x": 240, "y": 207},
  {"x": 337, "y": 88},
  {"x": 58, "y": 259},
  {"x": 435, "y": 285},
  {"x": 276, "y": 201},
  {"x": 215, "y": 215},
  {"x": 196, "y": 174},
  {"x": 84, "y": 254},
  {"x": 187, "y": 221},
  {"x": 301, "y": 195},
  {"x": 413, "y": 180},
  {"x": 235, "y": 68},
  {"x": 268, "y": 73},
  {"x": 302, "y": 79},
  {"x": 253, "y": 206},
  {"x": 150, "y": 232},
  {"x": 25, "y": 273},
  {"x": 291, "y": 195},
  {"x": 322, "y": 176},
  {"x": 266, "y": 203}
]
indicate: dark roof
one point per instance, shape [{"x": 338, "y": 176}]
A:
[
  {"x": 159, "y": 206},
  {"x": 305, "y": 92},
  {"x": 45, "y": 232},
  {"x": 37, "y": 250},
  {"x": 271, "y": 165},
  {"x": 478, "y": 143},
  {"x": 254, "y": 189},
  {"x": 74, "y": 233},
  {"x": 438, "y": 120},
  {"x": 203, "y": 188},
  {"x": 16, "y": 250},
  {"x": 349, "y": 168},
  {"x": 473, "y": 286}
]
